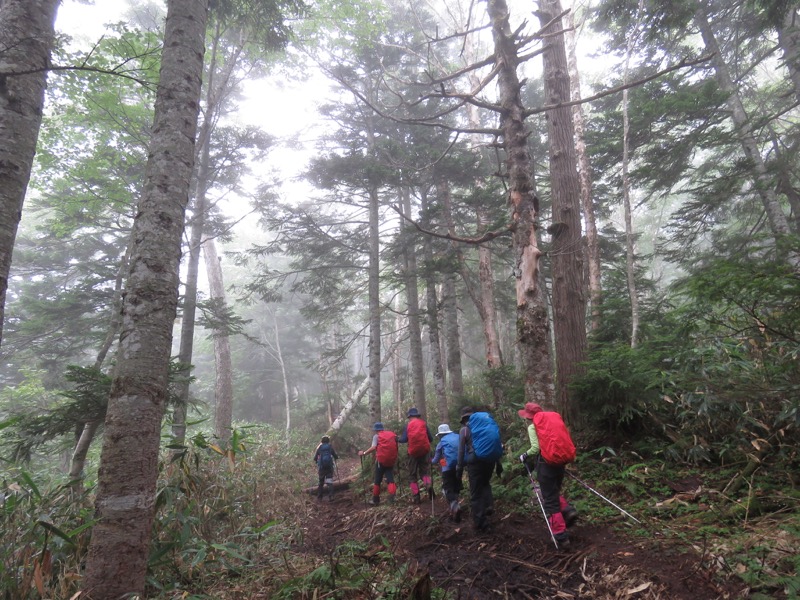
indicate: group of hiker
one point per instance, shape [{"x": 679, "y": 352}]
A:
[{"x": 477, "y": 449}]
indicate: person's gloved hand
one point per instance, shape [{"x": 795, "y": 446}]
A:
[
  {"x": 498, "y": 469},
  {"x": 523, "y": 457}
]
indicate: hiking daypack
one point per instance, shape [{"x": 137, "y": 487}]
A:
[
  {"x": 418, "y": 443},
  {"x": 325, "y": 457},
  {"x": 485, "y": 437},
  {"x": 450, "y": 449},
  {"x": 387, "y": 448},
  {"x": 555, "y": 443}
]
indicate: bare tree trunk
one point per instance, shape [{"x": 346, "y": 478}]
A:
[
  {"x": 374, "y": 308},
  {"x": 452, "y": 335},
  {"x": 432, "y": 314},
  {"x": 630, "y": 249},
  {"x": 26, "y": 39},
  {"x": 223, "y": 382},
  {"x": 779, "y": 224},
  {"x": 585, "y": 175},
  {"x": 532, "y": 322},
  {"x": 412, "y": 303},
  {"x": 569, "y": 300},
  {"x": 279, "y": 356},
  {"x": 486, "y": 307},
  {"x": 125, "y": 505}
]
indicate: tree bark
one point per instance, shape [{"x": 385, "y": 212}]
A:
[
  {"x": 412, "y": 306},
  {"x": 452, "y": 334},
  {"x": 630, "y": 246},
  {"x": 432, "y": 315},
  {"x": 26, "y": 40},
  {"x": 374, "y": 290},
  {"x": 569, "y": 300},
  {"x": 532, "y": 322},
  {"x": 585, "y": 176},
  {"x": 125, "y": 505},
  {"x": 286, "y": 395},
  {"x": 223, "y": 382}
]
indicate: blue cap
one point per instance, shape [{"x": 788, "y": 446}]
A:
[
  {"x": 413, "y": 412},
  {"x": 378, "y": 426}
]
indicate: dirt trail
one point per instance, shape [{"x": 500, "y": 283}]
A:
[{"x": 516, "y": 558}]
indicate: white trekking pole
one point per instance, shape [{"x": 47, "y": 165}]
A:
[
  {"x": 594, "y": 491},
  {"x": 538, "y": 493}
]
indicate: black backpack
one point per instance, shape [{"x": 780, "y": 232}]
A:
[{"x": 325, "y": 456}]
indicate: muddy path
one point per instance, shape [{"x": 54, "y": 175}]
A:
[{"x": 516, "y": 558}]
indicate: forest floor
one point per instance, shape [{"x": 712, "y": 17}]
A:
[{"x": 516, "y": 558}]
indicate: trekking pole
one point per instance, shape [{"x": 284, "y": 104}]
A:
[
  {"x": 538, "y": 493},
  {"x": 433, "y": 507},
  {"x": 594, "y": 491}
]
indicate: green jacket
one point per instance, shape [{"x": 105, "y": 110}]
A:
[{"x": 534, "y": 438}]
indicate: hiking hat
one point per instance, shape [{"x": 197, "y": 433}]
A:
[
  {"x": 325, "y": 439},
  {"x": 466, "y": 413},
  {"x": 378, "y": 426},
  {"x": 444, "y": 429},
  {"x": 412, "y": 412},
  {"x": 531, "y": 408}
]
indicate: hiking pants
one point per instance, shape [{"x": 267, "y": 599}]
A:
[
  {"x": 323, "y": 474},
  {"x": 480, "y": 490},
  {"x": 450, "y": 485},
  {"x": 381, "y": 472},
  {"x": 550, "y": 479},
  {"x": 419, "y": 468}
]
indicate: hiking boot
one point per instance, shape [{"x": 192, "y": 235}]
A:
[
  {"x": 391, "y": 498},
  {"x": 455, "y": 511},
  {"x": 562, "y": 539},
  {"x": 375, "y": 500},
  {"x": 570, "y": 516},
  {"x": 416, "y": 499}
]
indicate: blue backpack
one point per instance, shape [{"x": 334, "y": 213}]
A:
[
  {"x": 450, "y": 449},
  {"x": 485, "y": 437}
]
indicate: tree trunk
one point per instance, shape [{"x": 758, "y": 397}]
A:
[
  {"x": 569, "y": 299},
  {"x": 286, "y": 395},
  {"x": 125, "y": 505},
  {"x": 630, "y": 247},
  {"x": 223, "y": 382},
  {"x": 532, "y": 323},
  {"x": 789, "y": 41},
  {"x": 432, "y": 314},
  {"x": 374, "y": 308},
  {"x": 412, "y": 304},
  {"x": 452, "y": 336},
  {"x": 26, "y": 39},
  {"x": 585, "y": 176},
  {"x": 779, "y": 224}
]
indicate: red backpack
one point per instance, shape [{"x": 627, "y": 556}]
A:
[
  {"x": 387, "y": 448},
  {"x": 418, "y": 443},
  {"x": 555, "y": 443}
]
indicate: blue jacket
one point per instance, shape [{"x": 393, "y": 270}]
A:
[{"x": 447, "y": 448}]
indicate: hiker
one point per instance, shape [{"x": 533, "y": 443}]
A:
[
  {"x": 418, "y": 437},
  {"x": 479, "y": 451},
  {"x": 384, "y": 445},
  {"x": 551, "y": 449},
  {"x": 446, "y": 455},
  {"x": 324, "y": 457}
]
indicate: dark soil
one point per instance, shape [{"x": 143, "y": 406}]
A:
[{"x": 516, "y": 558}]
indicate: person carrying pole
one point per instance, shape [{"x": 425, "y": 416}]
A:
[
  {"x": 384, "y": 445},
  {"x": 551, "y": 450},
  {"x": 418, "y": 437},
  {"x": 446, "y": 456}
]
